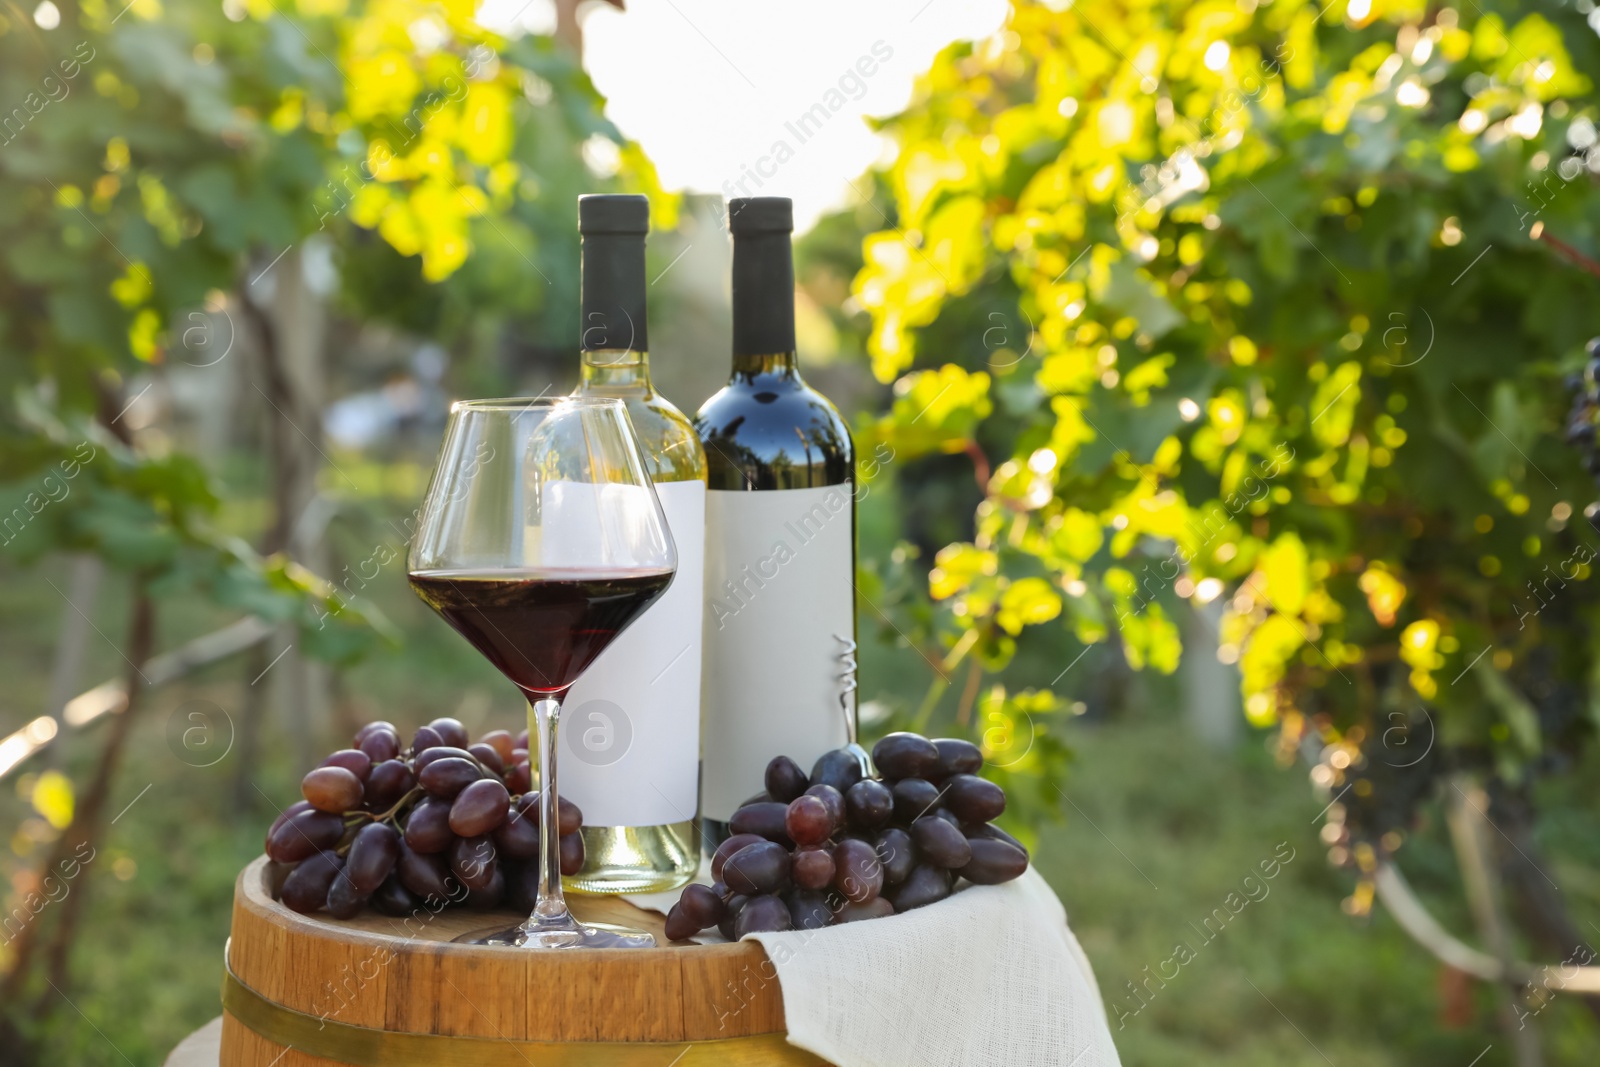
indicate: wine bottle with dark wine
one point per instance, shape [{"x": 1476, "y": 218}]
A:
[
  {"x": 780, "y": 538},
  {"x": 632, "y": 756}
]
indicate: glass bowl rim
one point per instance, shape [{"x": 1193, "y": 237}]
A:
[{"x": 525, "y": 403}]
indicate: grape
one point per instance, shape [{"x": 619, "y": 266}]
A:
[
  {"x": 447, "y": 777},
  {"x": 858, "y": 873},
  {"x": 389, "y": 781},
  {"x": 703, "y": 904},
  {"x": 695, "y": 910},
  {"x": 765, "y": 819},
  {"x": 373, "y": 727},
  {"x": 450, "y": 731},
  {"x": 837, "y": 768},
  {"x": 957, "y": 756},
  {"x": 380, "y": 745},
  {"x": 306, "y": 888},
  {"x": 345, "y": 901},
  {"x": 974, "y": 799},
  {"x": 425, "y": 739},
  {"x": 486, "y": 755},
  {"x": 947, "y": 815},
  {"x": 876, "y": 908},
  {"x": 372, "y": 856},
  {"x": 500, "y": 741},
  {"x": 284, "y": 816},
  {"x": 940, "y": 843},
  {"x": 808, "y": 820},
  {"x": 870, "y": 804},
  {"x": 994, "y": 833},
  {"x": 426, "y": 876},
  {"x": 520, "y": 779},
  {"x": 489, "y": 896},
  {"x": 761, "y": 914},
  {"x": 353, "y": 760},
  {"x": 276, "y": 873},
  {"x": 733, "y": 844},
  {"x": 895, "y": 852},
  {"x": 784, "y": 779},
  {"x": 831, "y": 797},
  {"x": 428, "y": 827},
  {"x": 808, "y": 910},
  {"x": 812, "y": 868},
  {"x": 735, "y": 904},
  {"x": 759, "y": 868},
  {"x": 439, "y": 752},
  {"x": 479, "y": 808},
  {"x": 304, "y": 833},
  {"x": 518, "y": 836},
  {"x": 926, "y": 885},
  {"x": 993, "y": 861},
  {"x": 571, "y": 854},
  {"x": 569, "y": 819},
  {"x": 914, "y": 798},
  {"x": 393, "y": 898},
  {"x": 522, "y": 740},
  {"x": 472, "y": 859},
  {"x": 332, "y": 789},
  {"x": 905, "y": 756},
  {"x": 522, "y": 886}
]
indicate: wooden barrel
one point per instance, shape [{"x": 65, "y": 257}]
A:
[{"x": 300, "y": 991}]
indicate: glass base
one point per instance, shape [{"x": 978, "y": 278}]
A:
[{"x": 570, "y": 934}]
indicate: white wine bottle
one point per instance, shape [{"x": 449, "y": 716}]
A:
[
  {"x": 780, "y": 538},
  {"x": 631, "y": 724}
]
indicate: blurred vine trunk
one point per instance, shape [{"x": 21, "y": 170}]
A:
[
  {"x": 67, "y": 850},
  {"x": 1540, "y": 909},
  {"x": 1210, "y": 687},
  {"x": 1467, "y": 814},
  {"x": 290, "y": 330},
  {"x": 72, "y": 640}
]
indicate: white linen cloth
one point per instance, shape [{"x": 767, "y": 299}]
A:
[{"x": 990, "y": 977}]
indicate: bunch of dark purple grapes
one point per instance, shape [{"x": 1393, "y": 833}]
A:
[
  {"x": 837, "y": 846},
  {"x": 443, "y": 822},
  {"x": 1584, "y": 419}
]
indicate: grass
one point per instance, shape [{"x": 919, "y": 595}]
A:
[{"x": 1156, "y": 832}]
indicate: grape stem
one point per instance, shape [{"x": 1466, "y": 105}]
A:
[{"x": 416, "y": 791}]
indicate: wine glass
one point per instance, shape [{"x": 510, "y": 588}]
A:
[{"x": 540, "y": 540}]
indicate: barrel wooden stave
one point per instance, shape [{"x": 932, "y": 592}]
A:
[{"x": 405, "y": 975}]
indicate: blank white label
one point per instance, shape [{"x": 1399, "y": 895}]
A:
[
  {"x": 630, "y": 727},
  {"x": 779, "y": 588}
]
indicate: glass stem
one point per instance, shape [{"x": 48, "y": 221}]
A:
[{"x": 551, "y": 909}]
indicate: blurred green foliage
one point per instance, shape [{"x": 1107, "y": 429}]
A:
[
  {"x": 155, "y": 158},
  {"x": 1247, "y": 302}
]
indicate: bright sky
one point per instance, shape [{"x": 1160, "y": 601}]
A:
[{"x": 715, "y": 89}]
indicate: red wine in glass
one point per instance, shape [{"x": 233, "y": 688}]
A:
[{"x": 542, "y": 629}]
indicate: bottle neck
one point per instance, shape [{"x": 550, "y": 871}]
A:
[
  {"x": 750, "y": 365},
  {"x": 612, "y": 371},
  {"x": 763, "y": 304},
  {"x": 612, "y": 296}
]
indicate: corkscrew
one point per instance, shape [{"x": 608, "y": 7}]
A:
[{"x": 848, "y": 685}]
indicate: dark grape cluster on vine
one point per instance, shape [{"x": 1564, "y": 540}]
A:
[
  {"x": 1583, "y": 420},
  {"x": 445, "y": 821},
  {"x": 1402, "y": 762},
  {"x": 837, "y": 846}
]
